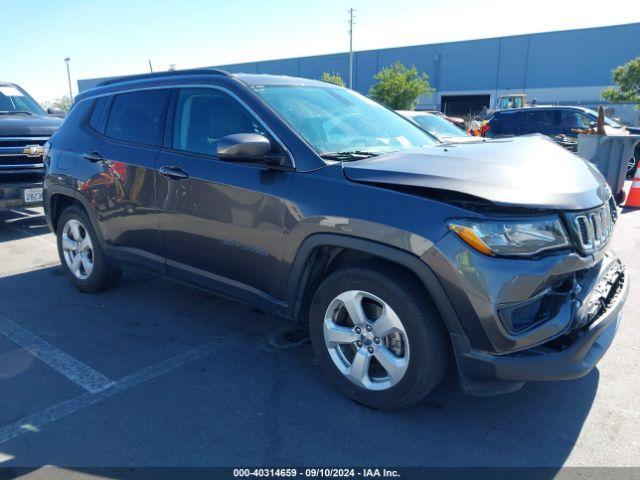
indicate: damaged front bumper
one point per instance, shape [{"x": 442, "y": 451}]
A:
[{"x": 591, "y": 309}]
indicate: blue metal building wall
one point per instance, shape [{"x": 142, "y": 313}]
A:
[
  {"x": 544, "y": 60},
  {"x": 555, "y": 59}
]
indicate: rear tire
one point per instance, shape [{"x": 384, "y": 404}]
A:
[
  {"x": 401, "y": 367},
  {"x": 81, "y": 255}
]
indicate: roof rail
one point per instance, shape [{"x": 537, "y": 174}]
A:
[{"x": 170, "y": 73}]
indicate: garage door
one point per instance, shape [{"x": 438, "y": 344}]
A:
[{"x": 460, "y": 105}]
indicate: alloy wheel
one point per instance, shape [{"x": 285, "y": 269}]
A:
[
  {"x": 366, "y": 340},
  {"x": 77, "y": 249}
]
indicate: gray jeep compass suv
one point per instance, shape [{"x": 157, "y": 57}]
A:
[{"x": 317, "y": 204}]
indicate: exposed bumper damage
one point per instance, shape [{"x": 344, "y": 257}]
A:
[{"x": 592, "y": 311}]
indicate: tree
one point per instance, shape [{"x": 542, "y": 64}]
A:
[
  {"x": 332, "y": 77},
  {"x": 627, "y": 80},
  {"x": 399, "y": 87},
  {"x": 63, "y": 103}
]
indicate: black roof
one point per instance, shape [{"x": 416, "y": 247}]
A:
[
  {"x": 170, "y": 73},
  {"x": 249, "y": 78},
  {"x": 114, "y": 84}
]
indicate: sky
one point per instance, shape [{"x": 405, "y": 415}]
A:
[{"x": 119, "y": 37}]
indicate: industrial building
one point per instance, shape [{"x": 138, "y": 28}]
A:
[{"x": 569, "y": 67}]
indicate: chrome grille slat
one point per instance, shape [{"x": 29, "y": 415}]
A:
[
  {"x": 15, "y": 154},
  {"x": 592, "y": 228}
]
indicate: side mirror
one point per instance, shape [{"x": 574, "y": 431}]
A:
[
  {"x": 250, "y": 148},
  {"x": 243, "y": 146},
  {"x": 56, "y": 112}
]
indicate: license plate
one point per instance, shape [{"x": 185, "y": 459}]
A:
[{"x": 32, "y": 195}]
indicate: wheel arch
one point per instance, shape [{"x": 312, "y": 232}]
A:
[
  {"x": 319, "y": 254},
  {"x": 60, "y": 197}
]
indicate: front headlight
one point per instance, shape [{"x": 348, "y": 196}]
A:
[{"x": 517, "y": 238}]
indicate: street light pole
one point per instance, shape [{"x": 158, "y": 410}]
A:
[
  {"x": 351, "y": 10},
  {"x": 66, "y": 60}
]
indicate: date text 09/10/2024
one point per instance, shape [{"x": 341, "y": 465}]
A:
[{"x": 316, "y": 472}]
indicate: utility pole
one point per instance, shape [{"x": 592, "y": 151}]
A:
[
  {"x": 351, "y": 17},
  {"x": 66, "y": 60}
]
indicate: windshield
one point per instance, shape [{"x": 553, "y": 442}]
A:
[
  {"x": 333, "y": 119},
  {"x": 438, "y": 126},
  {"x": 15, "y": 100},
  {"x": 607, "y": 120}
]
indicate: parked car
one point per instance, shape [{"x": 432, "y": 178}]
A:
[
  {"x": 437, "y": 126},
  {"x": 317, "y": 204},
  {"x": 457, "y": 121},
  {"x": 556, "y": 122},
  {"x": 24, "y": 128}
]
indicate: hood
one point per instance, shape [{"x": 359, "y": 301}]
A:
[
  {"x": 28, "y": 125},
  {"x": 462, "y": 139},
  {"x": 529, "y": 171}
]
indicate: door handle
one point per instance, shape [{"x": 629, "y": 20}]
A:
[
  {"x": 93, "y": 156},
  {"x": 175, "y": 173}
]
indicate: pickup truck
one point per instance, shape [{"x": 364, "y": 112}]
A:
[{"x": 24, "y": 129}]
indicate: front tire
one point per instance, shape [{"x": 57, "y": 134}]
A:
[
  {"x": 377, "y": 336},
  {"x": 80, "y": 253}
]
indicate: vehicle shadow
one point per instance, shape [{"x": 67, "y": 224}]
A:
[
  {"x": 16, "y": 224},
  {"x": 255, "y": 403}
]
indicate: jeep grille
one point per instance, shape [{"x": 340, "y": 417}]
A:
[{"x": 592, "y": 228}]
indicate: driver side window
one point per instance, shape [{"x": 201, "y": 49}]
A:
[
  {"x": 570, "y": 119},
  {"x": 204, "y": 115}
]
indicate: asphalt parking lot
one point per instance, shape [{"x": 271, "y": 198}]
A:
[{"x": 154, "y": 373}]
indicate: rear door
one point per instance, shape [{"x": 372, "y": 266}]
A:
[
  {"x": 222, "y": 223},
  {"x": 120, "y": 156}
]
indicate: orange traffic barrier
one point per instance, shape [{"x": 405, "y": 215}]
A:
[{"x": 633, "y": 200}]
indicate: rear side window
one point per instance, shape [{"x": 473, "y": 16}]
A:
[
  {"x": 138, "y": 117},
  {"x": 506, "y": 124},
  {"x": 542, "y": 119},
  {"x": 97, "y": 114}
]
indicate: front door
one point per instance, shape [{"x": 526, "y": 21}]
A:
[{"x": 221, "y": 222}]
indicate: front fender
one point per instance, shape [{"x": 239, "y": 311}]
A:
[{"x": 380, "y": 250}]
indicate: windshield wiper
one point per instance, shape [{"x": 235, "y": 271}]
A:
[
  {"x": 348, "y": 155},
  {"x": 15, "y": 112}
]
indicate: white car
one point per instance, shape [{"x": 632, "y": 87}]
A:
[{"x": 437, "y": 126}]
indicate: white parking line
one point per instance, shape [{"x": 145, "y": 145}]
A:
[
  {"x": 7, "y": 224},
  {"x": 33, "y": 423},
  {"x": 76, "y": 371}
]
